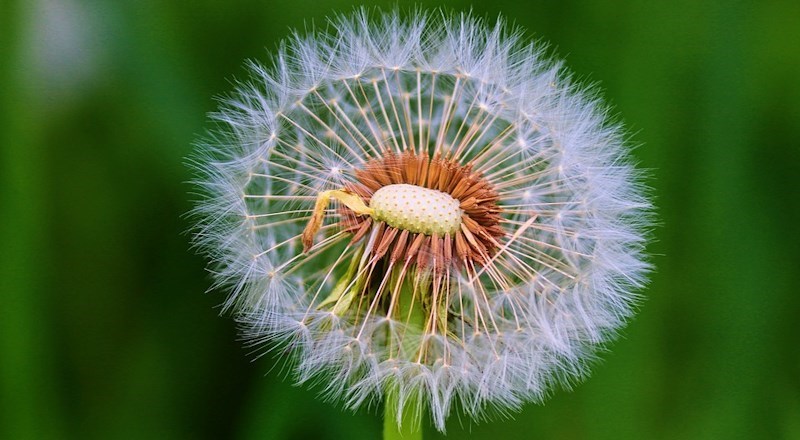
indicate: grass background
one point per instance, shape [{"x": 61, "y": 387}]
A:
[{"x": 104, "y": 328}]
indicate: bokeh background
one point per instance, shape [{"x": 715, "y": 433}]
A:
[{"x": 105, "y": 329}]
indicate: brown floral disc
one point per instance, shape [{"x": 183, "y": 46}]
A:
[{"x": 475, "y": 242}]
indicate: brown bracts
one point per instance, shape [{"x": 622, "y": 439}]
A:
[{"x": 476, "y": 239}]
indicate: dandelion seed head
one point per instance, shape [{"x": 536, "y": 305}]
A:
[{"x": 426, "y": 207}]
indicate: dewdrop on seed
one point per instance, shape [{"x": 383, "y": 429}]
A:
[{"x": 423, "y": 211}]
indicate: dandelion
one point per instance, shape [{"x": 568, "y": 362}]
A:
[{"x": 426, "y": 211}]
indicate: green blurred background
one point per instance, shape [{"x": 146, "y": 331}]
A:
[{"x": 105, "y": 331}]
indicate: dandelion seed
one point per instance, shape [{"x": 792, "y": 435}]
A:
[{"x": 424, "y": 210}]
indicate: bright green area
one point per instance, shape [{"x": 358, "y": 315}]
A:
[{"x": 104, "y": 328}]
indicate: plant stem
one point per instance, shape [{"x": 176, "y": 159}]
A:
[
  {"x": 411, "y": 428},
  {"x": 29, "y": 407},
  {"x": 409, "y": 310}
]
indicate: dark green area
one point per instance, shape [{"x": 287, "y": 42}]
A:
[{"x": 104, "y": 328}]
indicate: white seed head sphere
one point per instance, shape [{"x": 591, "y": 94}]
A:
[{"x": 423, "y": 209}]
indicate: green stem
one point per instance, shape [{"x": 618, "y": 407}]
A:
[
  {"x": 29, "y": 407},
  {"x": 410, "y": 430},
  {"x": 409, "y": 309}
]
